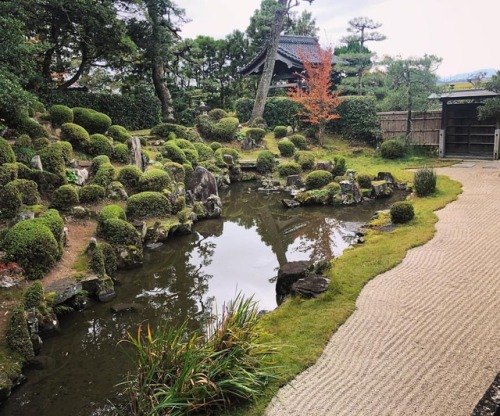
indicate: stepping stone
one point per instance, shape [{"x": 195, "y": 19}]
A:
[
  {"x": 463, "y": 165},
  {"x": 491, "y": 167}
]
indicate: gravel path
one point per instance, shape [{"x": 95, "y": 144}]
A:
[{"x": 425, "y": 338}]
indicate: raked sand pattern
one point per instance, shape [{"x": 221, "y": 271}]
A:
[{"x": 425, "y": 338}]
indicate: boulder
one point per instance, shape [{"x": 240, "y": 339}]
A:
[
  {"x": 386, "y": 176},
  {"x": 351, "y": 175},
  {"x": 116, "y": 191},
  {"x": 288, "y": 274},
  {"x": 381, "y": 189},
  {"x": 141, "y": 227},
  {"x": 82, "y": 175},
  {"x": 294, "y": 181},
  {"x": 36, "y": 163},
  {"x": 64, "y": 289},
  {"x": 213, "y": 205},
  {"x": 90, "y": 284},
  {"x": 136, "y": 156},
  {"x": 328, "y": 166},
  {"x": 129, "y": 256},
  {"x": 228, "y": 160},
  {"x": 234, "y": 174},
  {"x": 349, "y": 193},
  {"x": 127, "y": 307},
  {"x": 289, "y": 130},
  {"x": 203, "y": 184},
  {"x": 290, "y": 203},
  {"x": 106, "y": 294},
  {"x": 310, "y": 286}
]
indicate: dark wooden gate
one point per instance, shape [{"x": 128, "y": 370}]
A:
[{"x": 466, "y": 135}]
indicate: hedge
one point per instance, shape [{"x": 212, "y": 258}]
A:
[{"x": 148, "y": 204}]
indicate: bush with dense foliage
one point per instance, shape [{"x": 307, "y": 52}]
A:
[
  {"x": 18, "y": 336},
  {"x": 6, "y": 152},
  {"x": 299, "y": 141},
  {"x": 97, "y": 162},
  {"x": 148, "y": 204},
  {"x": 204, "y": 152},
  {"x": 129, "y": 176},
  {"x": 305, "y": 159},
  {"x": 289, "y": 168},
  {"x": 66, "y": 149},
  {"x": 99, "y": 145},
  {"x": 358, "y": 119},
  {"x": 91, "y": 193},
  {"x": 91, "y": 120},
  {"x": 173, "y": 152},
  {"x": 243, "y": 108},
  {"x": 339, "y": 166},
  {"x": 364, "y": 181},
  {"x": 176, "y": 171},
  {"x": 60, "y": 114},
  {"x": 205, "y": 127},
  {"x": 318, "y": 178},
  {"x": 256, "y": 135},
  {"x": 215, "y": 145},
  {"x": 52, "y": 219},
  {"x": 76, "y": 135},
  {"x": 191, "y": 156},
  {"x": 40, "y": 143},
  {"x": 11, "y": 201},
  {"x": 402, "y": 212},
  {"x": 259, "y": 122},
  {"x": 108, "y": 212},
  {"x": 266, "y": 162},
  {"x": 425, "y": 182},
  {"x": 188, "y": 175},
  {"x": 184, "y": 144},
  {"x": 33, "y": 296},
  {"x": 28, "y": 190},
  {"x": 105, "y": 174},
  {"x": 8, "y": 172},
  {"x": 392, "y": 149},
  {"x": 118, "y": 133},
  {"x": 47, "y": 182},
  {"x": 23, "y": 171},
  {"x": 281, "y": 111},
  {"x": 32, "y": 245},
  {"x": 221, "y": 151},
  {"x": 216, "y": 114},
  {"x": 52, "y": 158},
  {"x": 164, "y": 130},
  {"x": 65, "y": 197},
  {"x": 225, "y": 129},
  {"x": 121, "y": 153},
  {"x": 286, "y": 148},
  {"x": 280, "y": 132},
  {"x": 154, "y": 180},
  {"x": 120, "y": 233},
  {"x": 32, "y": 128}
]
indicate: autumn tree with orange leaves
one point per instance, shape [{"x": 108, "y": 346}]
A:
[{"x": 318, "y": 103}]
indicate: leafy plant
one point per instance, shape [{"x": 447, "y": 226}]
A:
[
  {"x": 71, "y": 176},
  {"x": 425, "y": 182}
]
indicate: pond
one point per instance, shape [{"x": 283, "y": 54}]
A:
[{"x": 188, "y": 277}]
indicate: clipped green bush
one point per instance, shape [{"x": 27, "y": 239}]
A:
[
  {"x": 204, "y": 152},
  {"x": 32, "y": 245},
  {"x": 96, "y": 262},
  {"x": 21, "y": 141},
  {"x": 339, "y": 166},
  {"x": 18, "y": 336},
  {"x": 65, "y": 197},
  {"x": 188, "y": 174},
  {"x": 266, "y": 162},
  {"x": 32, "y": 128},
  {"x": 173, "y": 152},
  {"x": 60, "y": 114},
  {"x": 179, "y": 204},
  {"x": 109, "y": 256},
  {"x": 52, "y": 219},
  {"x": 41, "y": 143},
  {"x": 184, "y": 144},
  {"x": 154, "y": 180},
  {"x": 108, "y": 212},
  {"x": 7, "y": 154},
  {"x": 33, "y": 296},
  {"x": 191, "y": 156},
  {"x": 121, "y": 233},
  {"x": 66, "y": 149},
  {"x": 97, "y": 162},
  {"x": 220, "y": 152},
  {"x": 91, "y": 120},
  {"x": 402, "y": 212},
  {"x": 259, "y": 122},
  {"x": 23, "y": 171},
  {"x": 318, "y": 178},
  {"x": 76, "y": 135},
  {"x": 286, "y": 148},
  {"x": 47, "y": 182},
  {"x": 281, "y": 111},
  {"x": 392, "y": 149},
  {"x": 91, "y": 193},
  {"x": 8, "y": 173},
  {"x": 118, "y": 133},
  {"x": 148, "y": 204},
  {"x": 216, "y": 114},
  {"x": 52, "y": 158},
  {"x": 163, "y": 130},
  {"x": 364, "y": 181},
  {"x": 99, "y": 145},
  {"x": 176, "y": 171},
  {"x": 11, "y": 201},
  {"x": 256, "y": 135},
  {"x": 280, "y": 132},
  {"x": 129, "y": 176},
  {"x": 120, "y": 153},
  {"x": 299, "y": 141},
  {"x": 28, "y": 190},
  {"x": 305, "y": 159},
  {"x": 243, "y": 108},
  {"x": 425, "y": 182},
  {"x": 289, "y": 168},
  {"x": 205, "y": 127},
  {"x": 105, "y": 175},
  {"x": 225, "y": 130},
  {"x": 215, "y": 145}
]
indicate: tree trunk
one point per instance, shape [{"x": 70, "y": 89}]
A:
[
  {"x": 65, "y": 85},
  {"x": 162, "y": 91},
  {"x": 408, "y": 118},
  {"x": 272, "y": 48}
]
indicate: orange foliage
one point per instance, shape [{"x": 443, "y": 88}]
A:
[{"x": 318, "y": 103}]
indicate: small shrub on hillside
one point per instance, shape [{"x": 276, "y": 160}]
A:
[
  {"x": 225, "y": 129},
  {"x": 333, "y": 188},
  {"x": 191, "y": 156},
  {"x": 205, "y": 127},
  {"x": 18, "y": 336},
  {"x": 118, "y": 133},
  {"x": 109, "y": 212},
  {"x": 8, "y": 173},
  {"x": 176, "y": 171},
  {"x": 305, "y": 159},
  {"x": 188, "y": 175},
  {"x": 52, "y": 219},
  {"x": 99, "y": 145},
  {"x": 204, "y": 152},
  {"x": 32, "y": 128},
  {"x": 76, "y": 135},
  {"x": 33, "y": 296},
  {"x": 280, "y": 132},
  {"x": 259, "y": 122},
  {"x": 11, "y": 201},
  {"x": 184, "y": 144},
  {"x": 318, "y": 178},
  {"x": 66, "y": 149},
  {"x": 23, "y": 171},
  {"x": 65, "y": 197},
  {"x": 60, "y": 114},
  {"x": 217, "y": 114},
  {"x": 392, "y": 149},
  {"x": 215, "y": 145},
  {"x": 163, "y": 130},
  {"x": 53, "y": 160},
  {"x": 364, "y": 181},
  {"x": 286, "y": 148},
  {"x": 179, "y": 205},
  {"x": 21, "y": 141},
  {"x": 105, "y": 175},
  {"x": 109, "y": 255},
  {"x": 256, "y": 135},
  {"x": 148, "y": 204},
  {"x": 289, "y": 168},
  {"x": 6, "y": 152},
  {"x": 121, "y": 233},
  {"x": 40, "y": 143},
  {"x": 220, "y": 152},
  {"x": 120, "y": 153},
  {"x": 243, "y": 108},
  {"x": 266, "y": 162},
  {"x": 402, "y": 212},
  {"x": 47, "y": 182},
  {"x": 91, "y": 193},
  {"x": 98, "y": 161},
  {"x": 154, "y": 180},
  {"x": 27, "y": 188},
  {"x": 91, "y": 120},
  {"x": 129, "y": 176},
  {"x": 339, "y": 166},
  {"x": 173, "y": 152},
  {"x": 425, "y": 182}
]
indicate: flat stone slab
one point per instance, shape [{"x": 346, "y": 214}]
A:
[
  {"x": 463, "y": 165},
  {"x": 497, "y": 166}
]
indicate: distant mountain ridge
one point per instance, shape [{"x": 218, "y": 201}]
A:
[{"x": 466, "y": 75}]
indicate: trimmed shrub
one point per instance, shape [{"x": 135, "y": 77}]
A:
[
  {"x": 23, "y": 171},
  {"x": 299, "y": 141},
  {"x": 259, "y": 122},
  {"x": 256, "y": 135},
  {"x": 91, "y": 120},
  {"x": 8, "y": 173},
  {"x": 66, "y": 149},
  {"x": 96, "y": 262},
  {"x": 7, "y": 154},
  {"x": 188, "y": 175},
  {"x": 281, "y": 111},
  {"x": 358, "y": 119},
  {"x": 31, "y": 128},
  {"x": 219, "y": 154},
  {"x": 65, "y": 197},
  {"x": 97, "y": 162},
  {"x": 154, "y": 180},
  {"x": 60, "y": 114},
  {"x": 184, "y": 144},
  {"x": 121, "y": 233},
  {"x": 305, "y": 159},
  {"x": 24, "y": 154},
  {"x": 105, "y": 175},
  {"x": 76, "y": 135},
  {"x": 392, "y": 149},
  {"x": 28, "y": 190},
  {"x": 191, "y": 156},
  {"x": 280, "y": 132},
  {"x": 109, "y": 212},
  {"x": 425, "y": 182},
  {"x": 205, "y": 127},
  {"x": 148, "y": 204},
  {"x": 41, "y": 143},
  {"x": 109, "y": 256},
  {"x": 118, "y": 133},
  {"x": 173, "y": 152},
  {"x": 333, "y": 188},
  {"x": 243, "y": 108},
  {"x": 266, "y": 162},
  {"x": 179, "y": 205},
  {"x": 318, "y": 178},
  {"x": 53, "y": 220},
  {"x": 18, "y": 336},
  {"x": 121, "y": 153},
  {"x": 11, "y": 201},
  {"x": 225, "y": 129},
  {"x": 402, "y": 212},
  {"x": 33, "y": 296},
  {"x": 289, "y": 168},
  {"x": 215, "y": 145},
  {"x": 47, "y": 182},
  {"x": 175, "y": 170},
  {"x": 217, "y": 114},
  {"x": 204, "y": 152},
  {"x": 21, "y": 141},
  {"x": 286, "y": 148},
  {"x": 32, "y": 245},
  {"x": 91, "y": 193},
  {"x": 129, "y": 176},
  {"x": 163, "y": 130},
  {"x": 339, "y": 167},
  {"x": 364, "y": 181},
  {"x": 53, "y": 160},
  {"x": 100, "y": 145}
]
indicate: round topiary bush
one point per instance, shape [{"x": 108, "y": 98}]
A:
[
  {"x": 7, "y": 154},
  {"x": 184, "y": 144},
  {"x": 97, "y": 162},
  {"x": 266, "y": 162},
  {"x": 364, "y": 181},
  {"x": 91, "y": 193},
  {"x": 53, "y": 220},
  {"x": 191, "y": 156},
  {"x": 256, "y": 135},
  {"x": 339, "y": 166},
  {"x": 121, "y": 233},
  {"x": 60, "y": 114},
  {"x": 333, "y": 188},
  {"x": 225, "y": 130},
  {"x": 280, "y": 132},
  {"x": 318, "y": 178},
  {"x": 23, "y": 171},
  {"x": 174, "y": 153},
  {"x": 40, "y": 143},
  {"x": 105, "y": 175},
  {"x": 32, "y": 128},
  {"x": 76, "y": 135},
  {"x": 118, "y": 133},
  {"x": 32, "y": 245},
  {"x": 217, "y": 114},
  {"x": 215, "y": 145},
  {"x": 154, "y": 180},
  {"x": 286, "y": 148},
  {"x": 148, "y": 204},
  {"x": 392, "y": 149},
  {"x": 129, "y": 176},
  {"x": 259, "y": 122},
  {"x": 91, "y": 120},
  {"x": 204, "y": 152},
  {"x": 289, "y": 168},
  {"x": 425, "y": 182},
  {"x": 299, "y": 141},
  {"x": 305, "y": 159},
  {"x": 164, "y": 130},
  {"x": 100, "y": 145},
  {"x": 11, "y": 201},
  {"x": 402, "y": 212},
  {"x": 66, "y": 149},
  {"x": 109, "y": 212},
  {"x": 176, "y": 171},
  {"x": 65, "y": 197},
  {"x": 121, "y": 153},
  {"x": 33, "y": 296},
  {"x": 28, "y": 190},
  {"x": 52, "y": 158}
]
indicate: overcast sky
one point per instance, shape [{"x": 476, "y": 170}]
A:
[{"x": 466, "y": 34}]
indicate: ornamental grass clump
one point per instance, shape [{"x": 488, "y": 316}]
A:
[
  {"x": 425, "y": 182},
  {"x": 202, "y": 372}
]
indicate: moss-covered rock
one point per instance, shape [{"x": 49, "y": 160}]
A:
[{"x": 18, "y": 336}]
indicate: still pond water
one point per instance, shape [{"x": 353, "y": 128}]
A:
[{"x": 185, "y": 278}]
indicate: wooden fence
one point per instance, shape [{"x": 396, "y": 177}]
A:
[{"x": 425, "y": 126}]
